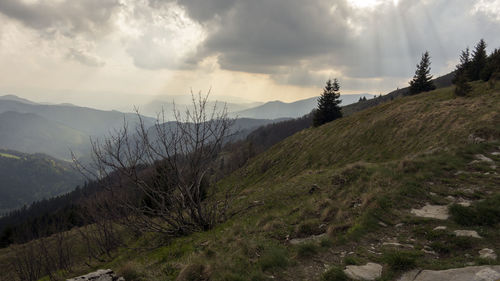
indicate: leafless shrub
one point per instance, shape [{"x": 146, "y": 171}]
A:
[{"x": 159, "y": 177}]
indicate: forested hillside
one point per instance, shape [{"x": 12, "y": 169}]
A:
[{"x": 25, "y": 178}]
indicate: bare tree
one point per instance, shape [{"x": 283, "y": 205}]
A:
[{"x": 159, "y": 178}]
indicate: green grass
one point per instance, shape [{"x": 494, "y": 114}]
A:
[
  {"x": 334, "y": 274},
  {"x": 307, "y": 250},
  {"x": 486, "y": 212},
  {"x": 401, "y": 260},
  {"x": 273, "y": 257},
  {"x": 6, "y": 155}
]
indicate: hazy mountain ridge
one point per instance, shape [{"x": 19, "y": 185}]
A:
[
  {"x": 155, "y": 107},
  {"x": 31, "y": 133},
  {"x": 279, "y": 109},
  {"x": 87, "y": 120}
]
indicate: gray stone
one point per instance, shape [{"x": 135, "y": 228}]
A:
[
  {"x": 99, "y": 275},
  {"x": 382, "y": 224},
  {"x": 297, "y": 241},
  {"x": 475, "y": 139},
  {"x": 370, "y": 271},
  {"x": 487, "y": 254},
  {"x": 467, "y": 233},
  {"x": 471, "y": 273},
  {"x": 482, "y": 158},
  {"x": 396, "y": 244},
  {"x": 441, "y": 227},
  {"x": 432, "y": 211}
]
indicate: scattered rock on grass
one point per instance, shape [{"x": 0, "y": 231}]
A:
[
  {"x": 99, "y": 275},
  {"x": 471, "y": 273},
  {"x": 370, "y": 271},
  {"x": 467, "y": 233},
  {"x": 475, "y": 139},
  {"x": 432, "y": 211},
  {"x": 487, "y": 253},
  {"x": 297, "y": 241},
  {"x": 441, "y": 227},
  {"x": 396, "y": 244},
  {"x": 382, "y": 224},
  {"x": 482, "y": 158}
]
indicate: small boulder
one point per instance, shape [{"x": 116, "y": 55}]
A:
[
  {"x": 397, "y": 244},
  {"x": 432, "y": 211},
  {"x": 487, "y": 253},
  {"x": 441, "y": 227},
  {"x": 482, "y": 158},
  {"x": 471, "y": 273},
  {"x": 475, "y": 139},
  {"x": 467, "y": 233},
  {"x": 370, "y": 271},
  {"x": 313, "y": 238},
  {"x": 99, "y": 275}
]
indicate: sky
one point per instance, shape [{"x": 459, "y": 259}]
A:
[{"x": 114, "y": 54}]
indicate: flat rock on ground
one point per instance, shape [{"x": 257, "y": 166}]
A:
[
  {"x": 297, "y": 241},
  {"x": 471, "y": 273},
  {"x": 432, "y": 211},
  {"x": 370, "y": 271},
  {"x": 487, "y": 254},
  {"x": 99, "y": 275},
  {"x": 467, "y": 233}
]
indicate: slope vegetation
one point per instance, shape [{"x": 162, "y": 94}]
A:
[{"x": 342, "y": 194}]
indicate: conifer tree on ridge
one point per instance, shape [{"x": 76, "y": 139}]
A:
[
  {"x": 328, "y": 104},
  {"x": 422, "y": 80}
]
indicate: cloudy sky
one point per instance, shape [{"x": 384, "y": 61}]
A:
[{"x": 115, "y": 53}]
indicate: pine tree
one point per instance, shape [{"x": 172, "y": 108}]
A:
[
  {"x": 421, "y": 82},
  {"x": 328, "y": 104},
  {"x": 492, "y": 68},
  {"x": 464, "y": 67},
  {"x": 478, "y": 62},
  {"x": 462, "y": 85}
]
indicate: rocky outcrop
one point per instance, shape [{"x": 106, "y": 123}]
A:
[
  {"x": 99, "y": 275},
  {"x": 488, "y": 254},
  {"x": 467, "y": 233},
  {"x": 471, "y": 273},
  {"x": 432, "y": 211},
  {"x": 370, "y": 271}
]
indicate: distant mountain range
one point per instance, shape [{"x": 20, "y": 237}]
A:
[
  {"x": 56, "y": 129},
  {"x": 279, "y": 109},
  {"x": 25, "y": 178},
  {"x": 31, "y": 127}
]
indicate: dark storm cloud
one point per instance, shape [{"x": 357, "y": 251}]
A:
[
  {"x": 259, "y": 36},
  {"x": 288, "y": 37},
  {"x": 67, "y": 17}
]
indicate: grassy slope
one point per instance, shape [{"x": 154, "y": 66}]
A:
[{"x": 368, "y": 168}]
